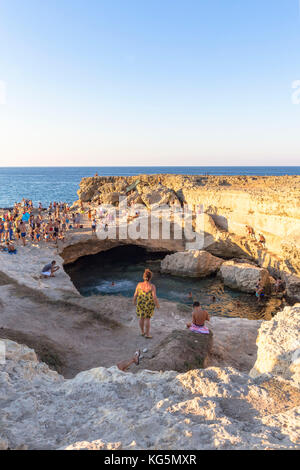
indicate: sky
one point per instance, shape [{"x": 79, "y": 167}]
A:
[{"x": 149, "y": 82}]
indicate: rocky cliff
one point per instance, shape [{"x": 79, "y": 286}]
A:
[
  {"x": 268, "y": 204},
  {"x": 98, "y": 409},
  {"x": 278, "y": 344}
]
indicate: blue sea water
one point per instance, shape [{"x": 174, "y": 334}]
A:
[{"x": 46, "y": 184}]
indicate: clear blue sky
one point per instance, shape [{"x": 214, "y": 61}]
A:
[{"x": 149, "y": 82}]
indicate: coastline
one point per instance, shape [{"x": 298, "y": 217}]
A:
[{"x": 79, "y": 335}]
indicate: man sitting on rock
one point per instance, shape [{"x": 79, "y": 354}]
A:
[
  {"x": 49, "y": 269},
  {"x": 199, "y": 316}
]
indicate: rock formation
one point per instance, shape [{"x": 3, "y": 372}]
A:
[
  {"x": 243, "y": 276},
  {"x": 292, "y": 286},
  {"x": 278, "y": 344},
  {"x": 220, "y": 407},
  {"x": 269, "y": 204},
  {"x": 201, "y": 409},
  {"x": 182, "y": 350},
  {"x": 192, "y": 263}
]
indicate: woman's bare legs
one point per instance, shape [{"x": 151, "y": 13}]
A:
[
  {"x": 147, "y": 327},
  {"x": 142, "y": 325}
]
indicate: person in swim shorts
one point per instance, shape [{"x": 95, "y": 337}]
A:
[
  {"x": 259, "y": 291},
  {"x": 199, "y": 316},
  {"x": 22, "y": 228},
  {"x": 49, "y": 269}
]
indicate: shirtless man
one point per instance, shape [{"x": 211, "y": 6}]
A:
[
  {"x": 10, "y": 247},
  {"x": 199, "y": 316},
  {"x": 22, "y": 227},
  {"x": 250, "y": 232},
  {"x": 6, "y": 230},
  {"x": 262, "y": 240},
  {"x": 1, "y": 230}
]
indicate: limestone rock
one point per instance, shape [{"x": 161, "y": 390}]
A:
[
  {"x": 193, "y": 263},
  {"x": 87, "y": 188},
  {"x": 292, "y": 287},
  {"x": 181, "y": 350},
  {"x": 278, "y": 345},
  {"x": 110, "y": 198},
  {"x": 243, "y": 276},
  {"x": 109, "y": 409},
  {"x": 268, "y": 204},
  {"x": 158, "y": 196},
  {"x": 3, "y": 444},
  {"x": 95, "y": 445},
  {"x": 24, "y": 270},
  {"x": 234, "y": 342}
]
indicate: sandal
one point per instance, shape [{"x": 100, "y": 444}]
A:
[
  {"x": 142, "y": 334},
  {"x": 148, "y": 337}
]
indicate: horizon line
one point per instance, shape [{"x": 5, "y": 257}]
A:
[{"x": 149, "y": 166}]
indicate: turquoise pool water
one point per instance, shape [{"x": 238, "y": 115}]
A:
[{"x": 117, "y": 271}]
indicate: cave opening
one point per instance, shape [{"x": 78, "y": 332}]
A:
[{"x": 118, "y": 270}]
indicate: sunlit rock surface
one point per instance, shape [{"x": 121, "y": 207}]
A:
[
  {"x": 103, "y": 408},
  {"x": 243, "y": 276},
  {"x": 269, "y": 204},
  {"x": 278, "y": 344},
  {"x": 192, "y": 263},
  {"x": 106, "y": 408}
]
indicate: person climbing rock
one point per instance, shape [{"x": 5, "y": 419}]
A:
[
  {"x": 124, "y": 365},
  {"x": 250, "y": 232},
  {"x": 262, "y": 240}
]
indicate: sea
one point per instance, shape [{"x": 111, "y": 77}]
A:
[{"x": 46, "y": 184}]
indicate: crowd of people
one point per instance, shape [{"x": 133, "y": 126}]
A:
[{"x": 24, "y": 223}]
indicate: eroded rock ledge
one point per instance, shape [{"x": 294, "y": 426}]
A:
[
  {"x": 269, "y": 204},
  {"x": 201, "y": 409},
  {"x": 278, "y": 344},
  {"x": 214, "y": 408}
]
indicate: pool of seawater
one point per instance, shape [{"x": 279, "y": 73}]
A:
[{"x": 117, "y": 271}]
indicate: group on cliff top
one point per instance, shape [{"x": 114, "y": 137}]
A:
[{"x": 24, "y": 223}]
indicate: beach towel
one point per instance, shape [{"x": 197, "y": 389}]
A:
[{"x": 199, "y": 329}]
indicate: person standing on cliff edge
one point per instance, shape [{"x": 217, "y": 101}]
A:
[{"x": 145, "y": 300}]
